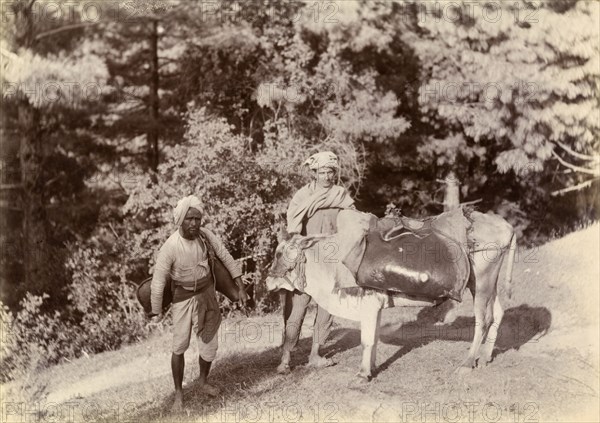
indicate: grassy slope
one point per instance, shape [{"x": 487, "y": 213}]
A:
[{"x": 546, "y": 367}]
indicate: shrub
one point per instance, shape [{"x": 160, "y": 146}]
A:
[{"x": 101, "y": 314}]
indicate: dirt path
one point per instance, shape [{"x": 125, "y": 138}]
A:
[{"x": 545, "y": 369}]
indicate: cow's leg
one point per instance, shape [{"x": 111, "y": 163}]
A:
[
  {"x": 490, "y": 340},
  {"x": 496, "y": 236},
  {"x": 374, "y": 352},
  {"x": 480, "y": 332},
  {"x": 483, "y": 289},
  {"x": 369, "y": 330}
]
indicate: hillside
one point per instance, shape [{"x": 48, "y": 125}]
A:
[{"x": 546, "y": 366}]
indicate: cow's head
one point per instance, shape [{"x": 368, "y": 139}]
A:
[{"x": 287, "y": 255}]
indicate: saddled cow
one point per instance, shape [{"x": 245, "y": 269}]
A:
[{"x": 492, "y": 240}]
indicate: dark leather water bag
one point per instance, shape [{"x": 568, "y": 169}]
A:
[
  {"x": 224, "y": 284},
  {"x": 424, "y": 264}
]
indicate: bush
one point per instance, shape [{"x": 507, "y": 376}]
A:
[
  {"x": 101, "y": 314},
  {"x": 32, "y": 338}
]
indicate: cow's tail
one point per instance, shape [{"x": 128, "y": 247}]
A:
[{"x": 509, "y": 265}]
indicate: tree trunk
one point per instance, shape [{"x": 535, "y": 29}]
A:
[
  {"x": 34, "y": 229},
  {"x": 31, "y": 158},
  {"x": 452, "y": 193},
  {"x": 152, "y": 134}
]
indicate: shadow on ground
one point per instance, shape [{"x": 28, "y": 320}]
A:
[
  {"x": 237, "y": 375},
  {"x": 519, "y": 326}
]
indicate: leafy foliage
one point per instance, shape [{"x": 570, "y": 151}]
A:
[
  {"x": 102, "y": 313},
  {"x": 520, "y": 85}
]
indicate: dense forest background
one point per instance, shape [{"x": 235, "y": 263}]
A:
[{"x": 112, "y": 111}]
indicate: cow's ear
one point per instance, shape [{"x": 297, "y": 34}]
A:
[{"x": 309, "y": 241}]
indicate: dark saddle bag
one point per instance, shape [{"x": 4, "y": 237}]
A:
[{"x": 422, "y": 258}]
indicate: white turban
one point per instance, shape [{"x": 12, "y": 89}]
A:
[
  {"x": 183, "y": 206},
  {"x": 321, "y": 160}
]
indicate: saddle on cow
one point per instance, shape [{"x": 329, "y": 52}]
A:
[{"x": 422, "y": 258}]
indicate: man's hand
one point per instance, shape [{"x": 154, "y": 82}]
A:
[
  {"x": 155, "y": 319},
  {"x": 242, "y": 292},
  {"x": 243, "y": 297}
]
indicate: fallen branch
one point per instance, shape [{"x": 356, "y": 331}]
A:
[
  {"x": 64, "y": 28},
  {"x": 573, "y": 188},
  {"x": 113, "y": 230},
  {"x": 467, "y": 203}
]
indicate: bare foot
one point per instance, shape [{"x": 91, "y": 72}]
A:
[
  {"x": 319, "y": 362},
  {"x": 210, "y": 390},
  {"x": 283, "y": 369},
  {"x": 177, "y": 403}
]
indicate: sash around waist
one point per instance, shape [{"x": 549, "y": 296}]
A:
[{"x": 186, "y": 290}]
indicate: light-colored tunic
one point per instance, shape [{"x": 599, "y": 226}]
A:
[{"x": 186, "y": 260}]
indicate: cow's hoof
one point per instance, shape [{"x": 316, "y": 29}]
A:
[
  {"x": 485, "y": 359},
  {"x": 364, "y": 377},
  {"x": 283, "y": 369}
]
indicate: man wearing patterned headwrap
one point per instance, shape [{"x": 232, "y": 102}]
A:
[
  {"x": 184, "y": 257},
  {"x": 313, "y": 210}
]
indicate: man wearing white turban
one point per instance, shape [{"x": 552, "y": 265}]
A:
[
  {"x": 184, "y": 257},
  {"x": 312, "y": 210}
]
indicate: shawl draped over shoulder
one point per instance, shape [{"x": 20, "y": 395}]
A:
[{"x": 311, "y": 199}]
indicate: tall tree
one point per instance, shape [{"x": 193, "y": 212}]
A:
[
  {"x": 516, "y": 81},
  {"x": 144, "y": 56},
  {"x": 40, "y": 80}
]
